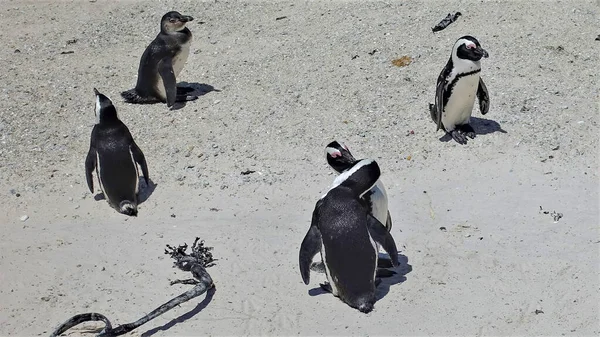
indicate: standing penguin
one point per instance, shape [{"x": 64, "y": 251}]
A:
[
  {"x": 345, "y": 233},
  {"x": 340, "y": 159},
  {"x": 458, "y": 84},
  {"x": 114, "y": 155},
  {"x": 162, "y": 62}
]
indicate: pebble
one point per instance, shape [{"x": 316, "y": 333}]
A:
[{"x": 24, "y": 218}]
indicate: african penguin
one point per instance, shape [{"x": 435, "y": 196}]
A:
[
  {"x": 458, "y": 84},
  {"x": 340, "y": 159},
  {"x": 345, "y": 233},
  {"x": 162, "y": 62},
  {"x": 114, "y": 155}
]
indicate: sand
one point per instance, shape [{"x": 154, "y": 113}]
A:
[{"x": 502, "y": 266}]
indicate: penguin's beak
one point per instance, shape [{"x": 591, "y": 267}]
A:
[
  {"x": 186, "y": 18},
  {"x": 96, "y": 92},
  {"x": 483, "y": 52}
]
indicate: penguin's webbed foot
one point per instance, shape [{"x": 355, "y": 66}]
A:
[
  {"x": 326, "y": 286},
  {"x": 467, "y": 130},
  {"x": 459, "y": 137}
]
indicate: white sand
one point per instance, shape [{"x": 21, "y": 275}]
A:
[{"x": 288, "y": 88}]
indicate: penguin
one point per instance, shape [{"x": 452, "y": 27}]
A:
[
  {"x": 340, "y": 159},
  {"x": 458, "y": 84},
  {"x": 115, "y": 157},
  {"x": 161, "y": 63},
  {"x": 346, "y": 234}
]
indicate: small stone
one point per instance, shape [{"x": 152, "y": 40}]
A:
[
  {"x": 45, "y": 298},
  {"x": 173, "y": 215},
  {"x": 467, "y": 235},
  {"x": 24, "y": 218},
  {"x": 443, "y": 229}
]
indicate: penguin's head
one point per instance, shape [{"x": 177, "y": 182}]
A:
[
  {"x": 360, "y": 178},
  {"x": 468, "y": 48},
  {"x": 339, "y": 156},
  {"x": 105, "y": 110},
  {"x": 174, "y": 22}
]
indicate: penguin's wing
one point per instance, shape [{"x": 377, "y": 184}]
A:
[
  {"x": 90, "y": 165},
  {"x": 380, "y": 234},
  {"x": 484, "y": 97},
  {"x": 310, "y": 246},
  {"x": 165, "y": 69},
  {"x": 139, "y": 158},
  {"x": 440, "y": 90}
]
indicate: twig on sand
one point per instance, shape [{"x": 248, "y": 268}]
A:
[
  {"x": 196, "y": 262},
  {"x": 446, "y": 22}
]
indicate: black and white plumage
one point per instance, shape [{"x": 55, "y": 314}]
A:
[
  {"x": 345, "y": 233},
  {"x": 458, "y": 84},
  {"x": 340, "y": 159},
  {"x": 161, "y": 63},
  {"x": 114, "y": 155}
]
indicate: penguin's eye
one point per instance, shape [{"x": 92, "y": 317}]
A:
[
  {"x": 470, "y": 46},
  {"x": 172, "y": 20}
]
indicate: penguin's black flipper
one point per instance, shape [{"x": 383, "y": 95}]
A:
[
  {"x": 165, "y": 69},
  {"x": 379, "y": 233},
  {"x": 139, "y": 158},
  {"x": 90, "y": 165},
  {"x": 484, "y": 97},
  {"x": 310, "y": 246}
]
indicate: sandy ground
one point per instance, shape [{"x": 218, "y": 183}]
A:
[{"x": 287, "y": 88}]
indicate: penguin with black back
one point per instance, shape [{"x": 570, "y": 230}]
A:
[
  {"x": 345, "y": 233},
  {"x": 115, "y": 157},
  {"x": 457, "y": 86},
  {"x": 161, "y": 63}
]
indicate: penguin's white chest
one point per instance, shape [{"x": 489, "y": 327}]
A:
[
  {"x": 178, "y": 62},
  {"x": 180, "y": 59},
  {"x": 460, "y": 104},
  {"x": 379, "y": 202}
]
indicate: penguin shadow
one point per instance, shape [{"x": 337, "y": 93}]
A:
[
  {"x": 193, "y": 89},
  {"x": 482, "y": 126},
  {"x": 386, "y": 282},
  {"x": 146, "y": 190},
  {"x": 143, "y": 194},
  {"x": 209, "y": 296},
  {"x": 400, "y": 276}
]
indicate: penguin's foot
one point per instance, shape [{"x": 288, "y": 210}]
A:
[
  {"x": 384, "y": 263},
  {"x": 326, "y": 286},
  {"x": 385, "y": 273},
  {"x": 458, "y": 136},
  {"x": 467, "y": 130}
]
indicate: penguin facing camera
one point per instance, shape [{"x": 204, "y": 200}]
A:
[
  {"x": 161, "y": 63},
  {"x": 346, "y": 234},
  {"x": 457, "y": 85},
  {"x": 115, "y": 157}
]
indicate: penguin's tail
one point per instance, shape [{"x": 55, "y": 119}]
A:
[
  {"x": 128, "y": 208},
  {"x": 132, "y": 96},
  {"x": 433, "y": 112}
]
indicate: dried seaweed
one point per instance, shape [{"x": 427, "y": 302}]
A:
[
  {"x": 196, "y": 262},
  {"x": 403, "y": 61},
  {"x": 446, "y": 22}
]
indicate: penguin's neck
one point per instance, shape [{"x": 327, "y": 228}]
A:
[{"x": 108, "y": 115}]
